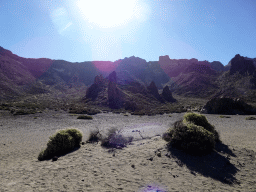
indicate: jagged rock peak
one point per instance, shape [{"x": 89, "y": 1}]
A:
[
  {"x": 242, "y": 65},
  {"x": 112, "y": 77},
  {"x": 153, "y": 90},
  {"x": 217, "y": 66},
  {"x": 98, "y": 85},
  {"x": 115, "y": 95},
  {"x": 152, "y": 87}
]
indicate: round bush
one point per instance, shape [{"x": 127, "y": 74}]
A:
[
  {"x": 61, "y": 143},
  {"x": 84, "y": 117},
  {"x": 76, "y": 134},
  {"x": 200, "y": 120},
  {"x": 193, "y": 135},
  {"x": 191, "y": 138}
]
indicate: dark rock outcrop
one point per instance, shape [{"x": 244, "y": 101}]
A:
[
  {"x": 98, "y": 85},
  {"x": 228, "y": 106},
  {"x": 115, "y": 95},
  {"x": 242, "y": 65},
  {"x": 201, "y": 67},
  {"x": 167, "y": 94},
  {"x": 217, "y": 66},
  {"x": 154, "y": 91}
]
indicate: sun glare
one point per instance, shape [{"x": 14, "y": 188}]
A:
[{"x": 107, "y": 13}]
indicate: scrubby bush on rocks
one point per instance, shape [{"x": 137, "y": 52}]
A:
[
  {"x": 94, "y": 136},
  {"x": 61, "y": 143},
  {"x": 114, "y": 139},
  {"x": 194, "y": 135}
]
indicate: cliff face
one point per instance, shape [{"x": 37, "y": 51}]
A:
[
  {"x": 173, "y": 67},
  {"x": 242, "y": 65},
  {"x": 137, "y": 69},
  {"x": 190, "y": 77}
]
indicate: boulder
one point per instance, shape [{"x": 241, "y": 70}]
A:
[
  {"x": 167, "y": 94},
  {"x": 228, "y": 106}
]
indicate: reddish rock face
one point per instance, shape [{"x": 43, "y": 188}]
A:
[
  {"x": 16, "y": 72},
  {"x": 36, "y": 67},
  {"x": 105, "y": 67}
]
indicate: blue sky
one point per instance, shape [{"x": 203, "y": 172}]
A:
[{"x": 78, "y": 30}]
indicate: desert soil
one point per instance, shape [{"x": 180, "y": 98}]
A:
[{"x": 145, "y": 165}]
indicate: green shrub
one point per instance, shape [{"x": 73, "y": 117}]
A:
[
  {"x": 84, "y": 110},
  {"x": 61, "y": 143},
  {"x": 223, "y": 116},
  {"x": 200, "y": 120},
  {"x": 193, "y": 135},
  {"x": 250, "y": 118},
  {"x": 84, "y": 117},
  {"x": 76, "y": 134}
]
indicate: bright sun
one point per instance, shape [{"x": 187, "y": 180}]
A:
[{"x": 108, "y": 13}]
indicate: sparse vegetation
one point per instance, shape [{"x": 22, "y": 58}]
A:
[
  {"x": 140, "y": 113},
  {"x": 94, "y": 136},
  {"x": 223, "y": 116},
  {"x": 84, "y": 117},
  {"x": 22, "y": 112},
  {"x": 114, "y": 139},
  {"x": 250, "y": 118},
  {"x": 194, "y": 135},
  {"x": 61, "y": 143},
  {"x": 83, "y": 110}
]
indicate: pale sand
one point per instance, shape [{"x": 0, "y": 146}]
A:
[{"x": 134, "y": 168}]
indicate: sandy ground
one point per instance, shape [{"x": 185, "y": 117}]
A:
[{"x": 145, "y": 165}]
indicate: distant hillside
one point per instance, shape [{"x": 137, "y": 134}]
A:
[
  {"x": 190, "y": 77},
  {"x": 23, "y": 77}
]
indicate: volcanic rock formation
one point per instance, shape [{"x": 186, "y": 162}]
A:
[
  {"x": 115, "y": 95},
  {"x": 242, "y": 65},
  {"x": 98, "y": 85},
  {"x": 154, "y": 91},
  {"x": 167, "y": 94}
]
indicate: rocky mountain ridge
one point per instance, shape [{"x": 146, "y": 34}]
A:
[{"x": 192, "y": 78}]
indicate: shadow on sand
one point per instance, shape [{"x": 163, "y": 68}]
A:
[{"x": 215, "y": 165}]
